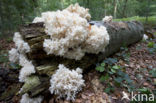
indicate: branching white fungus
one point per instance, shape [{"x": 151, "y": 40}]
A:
[
  {"x": 27, "y": 69},
  {"x": 66, "y": 83},
  {"x": 97, "y": 40},
  {"x": 145, "y": 37},
  {"x": 13, "y": 55},
  {"x": 19, "y": 55},
  {"x": 71, "y": 34},
  {"x": 27, "y": 99},
  {"x": 38, "y": 19},
  {"x": 60, "y": 24},
  {"x": 107, "y": 19},
  {"x": 23, "y": 60},
  {"x": 21, "y": 45},
  {"x": 67, "y": 31},
  {"x": 82, "y": 12},
  {"x": 76, "y": 53}
]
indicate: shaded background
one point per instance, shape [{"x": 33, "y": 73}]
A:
[{"x": 13, "y": 13}]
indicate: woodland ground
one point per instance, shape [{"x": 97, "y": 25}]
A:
[{"x": 133, "y": 68}]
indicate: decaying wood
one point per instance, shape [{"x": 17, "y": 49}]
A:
[
  {"x": 121, "y": 33},
  {"x": 9, "y": 85}
]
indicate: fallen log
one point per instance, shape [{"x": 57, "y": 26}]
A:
[{"x": 121, "y": 33}]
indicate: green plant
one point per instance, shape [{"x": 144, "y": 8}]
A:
[
  {"x": 101, "y": 67},
  {"x": 109, "y": 89},
  {"x": 144, "y": 90},
  {"x": 153, "y": 72},
  {"x": 124, "y": 54},
  {"x": 151, "y": 47},
  {"x": 14, "y": 66},
  {"x": 9, "y": 39},
  {"x": 150, "y": 44},
  {"x": 3, "y": 58},
  {"x": 104, "y": 78},
  {"x": 109, "y": 69},
  {"x": 124, "y": 80}
]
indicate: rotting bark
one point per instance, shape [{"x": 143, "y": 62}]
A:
[{"x": 121, "y": 33}]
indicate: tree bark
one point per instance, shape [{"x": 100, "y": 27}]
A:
[
  {"x": 124, "y": 8},
  {"x": 147, "y": 10},
  {"x": 115, "y": 8},
  {"x": 121, "y": 33}
]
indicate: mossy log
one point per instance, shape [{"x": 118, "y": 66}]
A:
[{"x": 121, "y": 33}]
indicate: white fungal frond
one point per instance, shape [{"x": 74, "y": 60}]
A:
[
  {"x": 82, "y": 12},
  {"x": 54, "y": 47},
  {"x": 75, "y": 53},
  {"x": 21, "y": 45},
  {"x": 67, "y": 30},
  {"x": 145, "y": 37},
  {"x": 23, "y": 60},
  {"x": 107, "y": 19},
  {"x": 66, "y": 83},
  {"x": 38, "y": 19},
  {"x": 26, "y": 99},
  {"x": 58, "y": 24},
  {"x": 17, "y": 37},
  {"x": 27, "y": 69},
  {"x": 97, "y": 40},
  {"x": 13, "y": 55}
]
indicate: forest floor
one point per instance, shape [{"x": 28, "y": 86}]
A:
[{"x": 132, "y": 69}]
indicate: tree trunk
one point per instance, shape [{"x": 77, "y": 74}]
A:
[
  {"x": 115, "y": 8},
  {"x": 147, "y": 10},
  {"x": 121, "y": 33},
  {"x": 124, "y": 8}
]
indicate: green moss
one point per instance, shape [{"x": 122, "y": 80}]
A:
[
  {"x": 30, "y": 83},
  {"x": 151, "y": 20},
  {"x": 46, "y": 69},
  {"x": 37, "y": 39}
]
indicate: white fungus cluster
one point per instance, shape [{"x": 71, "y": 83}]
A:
[
  {"x": 13, "y": 55},
  {"x": 82, "y": 12},
  {"x": 71, "y": 36},
  {"x": 19, "y": 55},
  {"x": 27, "y": 69},
  {"x": 67, "y": 30},
  {"x": 66, "y": 83},
  {"x": 98, "y": 39},
  {"x": 107, "y": 19},
  {"x": 145, "y": 37},
  {"x": 27, "y": 99},
  {"x": 37, "y": 19},
  {"x": 21, "y": 45}
]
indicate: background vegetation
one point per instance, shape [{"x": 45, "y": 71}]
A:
[{"x": 16, "y": 12}]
